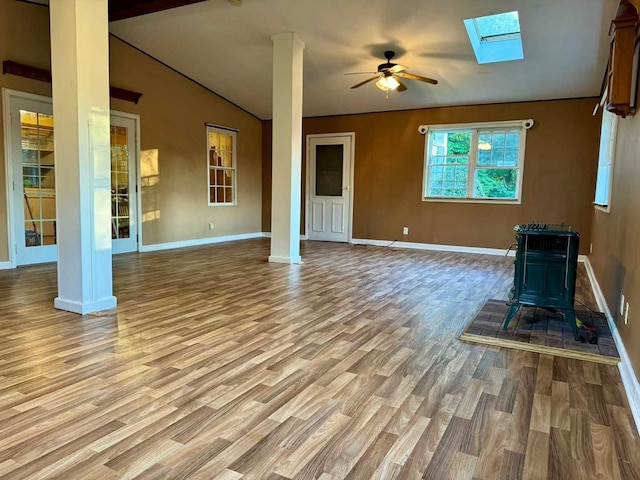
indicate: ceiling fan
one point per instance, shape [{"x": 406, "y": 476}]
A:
[{"x": 389, "y": 75}]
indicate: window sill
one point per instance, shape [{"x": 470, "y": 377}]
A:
[
  {"x": 223, "y": 205},
  {"x": 472, "y": 200},
  {"x": 602, "y": 208}
]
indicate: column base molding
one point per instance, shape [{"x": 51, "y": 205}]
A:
[
  {"x": 273, "y": 259},
  {"x": 86, "y": 307}
]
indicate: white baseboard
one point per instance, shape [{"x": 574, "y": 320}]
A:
[
  {"x": 268, "y": 235},
  {"x": 629, "y": 377},
  {"x": 5, "y": 265},
  {"x": 198, "y": 241},
  {"x": 441, "y": 248},
  {"x": 432, "y": 246}
]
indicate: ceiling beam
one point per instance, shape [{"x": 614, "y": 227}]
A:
[
  {"x": 121, "y": 9},
  {"x": 35, "y": 73}
]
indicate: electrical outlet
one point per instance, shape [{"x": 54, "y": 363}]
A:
[
  {"x": 622, "y": 304},
  {"x": 626, "y": 314},
  {"x": 591, "y": 248},
  {"x": 212, "y": 226},
  {"x": 405, "y": 230}
]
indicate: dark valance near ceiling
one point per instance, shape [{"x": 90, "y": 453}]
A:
[{"x": 27, "y": 71}]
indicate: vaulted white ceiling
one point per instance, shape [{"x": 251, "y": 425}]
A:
[{"x": 229, "y": 50}]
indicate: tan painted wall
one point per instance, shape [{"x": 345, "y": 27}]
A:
[
  {"x": 173, "y": 113},
  {"x": 616, "y": 237},
  {"x": 559, "y": 173}
]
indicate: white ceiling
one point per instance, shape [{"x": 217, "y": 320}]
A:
[{"x": 229, "y": 50}]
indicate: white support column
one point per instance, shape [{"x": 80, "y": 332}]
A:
[
  {"x": 287, "y": 148},
  {"x": 80, "y": 68}
]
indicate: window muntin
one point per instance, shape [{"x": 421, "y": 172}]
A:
[
  {"x": 606, "y": 157},
  {"x": 221, "y": 148},
  {"x": 482, "y": 164}
]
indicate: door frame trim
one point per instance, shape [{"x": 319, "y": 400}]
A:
[
  {"x": 307, "y": 196},
  {"x": 7, "y": 96}
]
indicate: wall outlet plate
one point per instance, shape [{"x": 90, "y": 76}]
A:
[
  {"x": 405, "y": 230},
  {"x": 212, "y": 226}
]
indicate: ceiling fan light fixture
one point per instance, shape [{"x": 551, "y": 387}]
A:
[
  {"x": 387, "y": 83},
  {"x": 485, "y": 146}
]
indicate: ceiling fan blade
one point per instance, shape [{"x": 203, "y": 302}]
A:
[
  {"x": 402, "y": 87},
  {"x": 411, "y": 76},
  {"x": 366, "y": 81},
  {"x": 397, "y": 68},
  {"x": 361, "y": 73}
]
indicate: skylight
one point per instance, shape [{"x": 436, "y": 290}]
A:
[{"x": 495, "y": 38}]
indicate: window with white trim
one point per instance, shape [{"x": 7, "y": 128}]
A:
[
  {"x": 606, "y": 156},
  {"x": 474, "y": 162},
  {"x": 221, "y": 148}
]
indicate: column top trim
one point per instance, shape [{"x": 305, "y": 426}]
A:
[{"x": 278, "y": 37}]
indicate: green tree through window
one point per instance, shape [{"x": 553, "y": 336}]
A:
[{"x": 489, "y": 171}]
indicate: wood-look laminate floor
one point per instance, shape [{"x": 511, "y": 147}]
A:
[{"x": 219, "y": 365}]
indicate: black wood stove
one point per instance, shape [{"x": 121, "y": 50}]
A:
[{"x": 545, "y": 270}]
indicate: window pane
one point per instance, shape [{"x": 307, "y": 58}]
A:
[
  {"x": 484, "y": 157},
  {"x": 498, "y": 148},
  {"x": 228, "y": 195},
  {"x": 512, "y": 140},
  {"x": 458, "y": 143},
  {"x": 448, "y": 181},
  {"x": 329, "y": 163},
  {"x": 511, "y": 158},
  {"x": 498, "y": 140},
  {"x": 499, "y": 24},
  {"x": 496, "y": 183},
  {"x": 605, "y": 158},
  {"x": 228, "y": 178}
]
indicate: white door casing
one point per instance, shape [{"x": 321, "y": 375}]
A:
[{"x": 329, "y": 187}]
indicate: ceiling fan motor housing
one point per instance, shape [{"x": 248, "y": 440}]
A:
[{"x": 389, "y": 54}]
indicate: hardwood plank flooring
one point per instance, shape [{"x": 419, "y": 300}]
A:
[{"x": 219, "y": 365}]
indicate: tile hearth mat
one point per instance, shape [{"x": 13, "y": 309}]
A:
[{"x": 542, "y": 331}]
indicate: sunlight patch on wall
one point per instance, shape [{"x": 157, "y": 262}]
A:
[{"x": 150, "y": 179}]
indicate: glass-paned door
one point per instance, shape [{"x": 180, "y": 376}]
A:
[
  {"x": 34, "y": 182},
  {"x": 123, "y": 186},
  {"x": 34, "y": 195}
]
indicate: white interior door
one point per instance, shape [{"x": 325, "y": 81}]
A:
[
  {"x": 123, "y": 184},
  {"x": 33, "y": 179},
  {"x": 328, "y": 189},
  {"x": 33, "y": 182}
]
